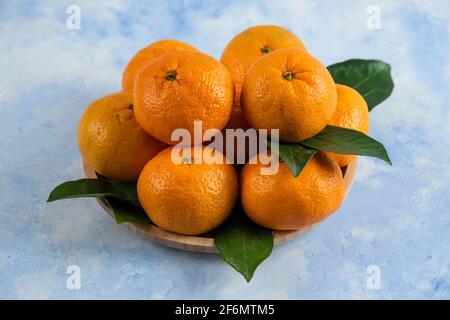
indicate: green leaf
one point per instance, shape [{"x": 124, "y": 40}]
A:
[
  {"x": 295, "y": 156},
  {"x": 82, "y": 188},
  {"x": 371, "y": 78},
  {"x": 101, "y": 177},
  {"x": 125, "y": 212},
  {"x": 243, "y": 244},
  {"x": 347, "y": 141}
]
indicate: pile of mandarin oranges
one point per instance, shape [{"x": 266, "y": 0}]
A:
[{"x": 265, "y": 79}]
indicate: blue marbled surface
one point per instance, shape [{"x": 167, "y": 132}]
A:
[{"x": 396, "y": 218}]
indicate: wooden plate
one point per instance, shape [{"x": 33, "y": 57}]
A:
[{"x": 205, "y": 244}]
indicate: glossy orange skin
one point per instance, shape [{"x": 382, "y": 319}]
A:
[
  {"x": 285, "y": 202},
  {"x": 187, "y": 198},
  {"x": 111, "y": 140},
  {"x": 299, "y": 107},
  {"x": 147, "y": 54},
  {"x": 352, "y": 113},
  {"x": 203, "y": 90},
  {"x": 247, "y": 46}
]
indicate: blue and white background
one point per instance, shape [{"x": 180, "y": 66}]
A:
[{"x": 395, "y": 218}]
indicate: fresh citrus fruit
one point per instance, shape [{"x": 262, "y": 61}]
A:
[
  {"x": 188, "y": 198},
  {"x": 285, "y": 202},
  {"x": 112, "y": 142},
  {"x": 352, "y": 113},
  {"x": 289, "y": 90},
  {"x": 251, "y": 44},
  {"x": 176, "y": 89},
  {"x": 146, "y": 55}
]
